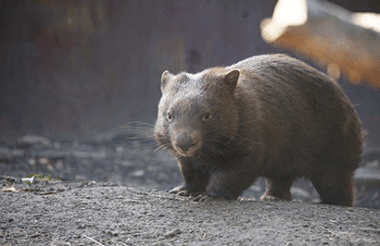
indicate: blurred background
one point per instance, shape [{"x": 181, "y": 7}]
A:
[
  {"x": 71, "y": 69},
  {"x": 74, "y": 71}
]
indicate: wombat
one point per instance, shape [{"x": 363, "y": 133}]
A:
[{"x": 270, "y": 115}]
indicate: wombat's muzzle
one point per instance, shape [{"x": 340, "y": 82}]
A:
[{"x": 184, "y": 141}]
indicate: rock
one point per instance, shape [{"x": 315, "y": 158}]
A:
[
  {"x": 367, "y": 175},
  {"x": 28, "y": 140},
  {"x": 300, "y": 194},
  {"x": 7, "y": 154},
  {"x": 172, "y": 233},
  {"x": 138, "y": 174},
  {"x": 79, "y": 177},
  {"x": 373, "y": 164}
]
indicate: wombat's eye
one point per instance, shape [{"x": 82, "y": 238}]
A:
[
  {"x": 169, "y": 117},
  {"x": 207, "y": 116}
]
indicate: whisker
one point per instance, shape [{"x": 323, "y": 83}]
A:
[
  {"x": 139, "y": 130},
  {"x": 249, "y": 140},
  {"x": 213, "y": 130},
  {"x": 162, "y": 148},
  {"x": 137, "y": 124}
]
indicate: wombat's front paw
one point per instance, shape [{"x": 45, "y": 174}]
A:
[
  {"x": 183, "y": 191},
  {"x": 207, "y": 198},
  {"x": 180, "y": 190},
  {"x": 269, "y": 198}
]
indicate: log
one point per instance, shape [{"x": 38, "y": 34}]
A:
[{"x": 332, "y": 36}]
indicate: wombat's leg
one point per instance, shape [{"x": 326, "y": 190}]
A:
[
  {"x": 335, "y": 189},
  {"x": 278, "y": 189},
  {"x": 227, "y": 184},
  {"x": 195, "y": 181}
]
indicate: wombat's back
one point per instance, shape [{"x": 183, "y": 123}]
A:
[{"x": 307, "y": 125}]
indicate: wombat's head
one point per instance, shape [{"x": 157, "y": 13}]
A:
[{"x": 197, "y": 114}]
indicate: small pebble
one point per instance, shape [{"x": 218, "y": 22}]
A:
[{"x": 172, "y": 233}]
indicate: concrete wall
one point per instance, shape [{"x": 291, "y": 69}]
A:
[{"x": 75, "y": 68}]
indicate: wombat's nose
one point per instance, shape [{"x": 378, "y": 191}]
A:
[{"x": 184, "y": 141}]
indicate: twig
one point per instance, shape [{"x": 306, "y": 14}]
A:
[{"x": 93, "y": 240}]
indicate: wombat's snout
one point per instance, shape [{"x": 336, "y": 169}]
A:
[
  {"x": 187, "y": 144},
  {"x": 184, "y": 141}
]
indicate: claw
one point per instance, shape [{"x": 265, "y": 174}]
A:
[
  {"x": 205, "y": 199},
  {"x": 208, "y": 198},
  {"x": 183, "y": 193},
  {"x": 173, "y": 191},
  {"x": 198, "y": 198},
  {"x": 269, "y": 198},
  {"x": 177, "y": 189}
]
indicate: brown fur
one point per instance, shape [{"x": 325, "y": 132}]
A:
[{"x": 271, "y": 116}]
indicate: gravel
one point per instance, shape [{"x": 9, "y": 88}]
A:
[
  {"x": 95, "y": 213},
  {"x": 112, "y": 191}
]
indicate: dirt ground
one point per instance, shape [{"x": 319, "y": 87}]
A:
[
  {"x": 92, "y": 213},
  {"x": 112, "y": 192}
]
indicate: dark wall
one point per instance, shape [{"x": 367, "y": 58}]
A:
[
  {"x": 79, "y": 67},
  {"x": 359, "y": 6},
  {"x": 74, "y": 68}
]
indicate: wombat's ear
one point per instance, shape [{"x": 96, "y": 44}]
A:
[
  {"x": 165, "y": 77},
  {"x": 231, "y": 79}
]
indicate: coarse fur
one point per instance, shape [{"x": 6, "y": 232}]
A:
[{"x": 270, "y": 115}]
